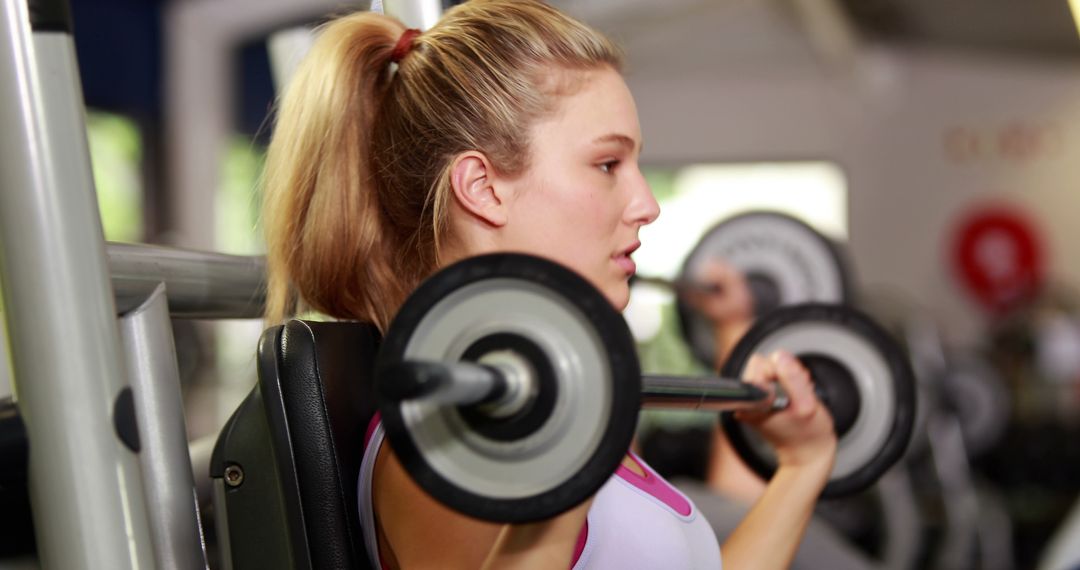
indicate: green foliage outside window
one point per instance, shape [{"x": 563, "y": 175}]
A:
[
  {"x": 116, "y": 159},
  {"x": 238, "y": 199}
]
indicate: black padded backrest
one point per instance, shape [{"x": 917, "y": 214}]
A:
[
  {"x": 317, "y": 388},
  {"x": 16, "y": 524}
]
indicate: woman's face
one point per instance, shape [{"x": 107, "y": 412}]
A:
[{"x": 583, "y": 199}]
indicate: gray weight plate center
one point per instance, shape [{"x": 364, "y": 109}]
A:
[
  {"x": 560, "y": 447},
  {"x": 871, "y": 373}
]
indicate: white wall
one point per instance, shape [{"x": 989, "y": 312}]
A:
[
  {"x": 907, "y": 193},
  {"x": 884, "y": 119}
]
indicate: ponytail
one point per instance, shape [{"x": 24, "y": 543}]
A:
[{"x": 321, "y": 212}]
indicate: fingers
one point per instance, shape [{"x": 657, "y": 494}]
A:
[
  {"x": 795, "y": 379},
  {"x": 784, "y": 368},
  {"x": 761, "y": 372},
  {"x": 802, "y": 433}
]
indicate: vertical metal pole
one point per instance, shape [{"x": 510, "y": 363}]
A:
[
  {"x": 166, "y": 465},
  {"x": 6, "y": 383},
  {"x": 420, "y": 14},
  {"x": 86, "y": 489}
]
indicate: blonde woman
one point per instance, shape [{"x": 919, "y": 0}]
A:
[{"x": 505, "y": 127}]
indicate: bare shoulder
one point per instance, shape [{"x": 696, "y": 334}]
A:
[{"x": 416, "y": 531}]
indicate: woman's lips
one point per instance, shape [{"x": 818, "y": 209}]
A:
[
  {"x": 626, "y": 264},
  {"x": 622, "y": 259}
]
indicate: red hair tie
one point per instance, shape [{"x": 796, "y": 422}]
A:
[{"x": 403, "y": 45}]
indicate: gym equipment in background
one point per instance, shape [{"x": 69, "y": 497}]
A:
[{"x": 784, "y": 260}]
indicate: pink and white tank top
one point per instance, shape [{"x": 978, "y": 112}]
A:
[{"x": 634, "y": 522}]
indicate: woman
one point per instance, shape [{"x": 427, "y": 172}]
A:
[{"x": 506, "y": 127}]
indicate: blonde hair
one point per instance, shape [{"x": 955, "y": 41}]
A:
[{"x": 357, "y": 178}]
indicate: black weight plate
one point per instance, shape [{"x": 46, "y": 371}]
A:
[
  {"x": 882, "y": 428},
  {"x": 784, "y": 260},
  {"x": 564, "y": 454}
]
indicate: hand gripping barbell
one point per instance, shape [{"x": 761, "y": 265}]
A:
[{"x": 509, "y": 387}]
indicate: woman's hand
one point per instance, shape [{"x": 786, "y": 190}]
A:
[
  {"x": 805, "y": 443},
  {"x": 802, "y": 434}
]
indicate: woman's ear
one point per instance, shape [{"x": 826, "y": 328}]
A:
[{"x": 473, "y": 180}]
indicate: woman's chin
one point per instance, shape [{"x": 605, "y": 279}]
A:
[{"x": 619, "y": 296}]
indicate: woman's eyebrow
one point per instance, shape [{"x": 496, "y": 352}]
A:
[{"x": 620, "y": 139}]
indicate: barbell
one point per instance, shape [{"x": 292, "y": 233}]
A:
[{"x": 509, "y": 387}]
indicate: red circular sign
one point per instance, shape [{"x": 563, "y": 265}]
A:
[{"x": 998, "y": 257}]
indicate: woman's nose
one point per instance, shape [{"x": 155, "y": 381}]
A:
[{"x": 643, "y": 208}]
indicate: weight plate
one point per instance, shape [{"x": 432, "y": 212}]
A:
[
  {"x": 785, "y": 262},
  {"x": 568, "y": 441},
  {"x": 862, "y": 355},
  {"x": 977, "y": 394}
]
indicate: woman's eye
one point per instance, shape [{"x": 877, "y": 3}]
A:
[{"x": 607, "y": 167}]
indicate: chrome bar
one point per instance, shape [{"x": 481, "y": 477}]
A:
[
  {"x": 458, "y": 383},
  {"x": 199, "y": 284},
  {"x": 707, "y": 393},
  {"x": 86, "y": 487},
  {"x": 464, "y": 383},
  {"x": 166, "y": 464}
]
